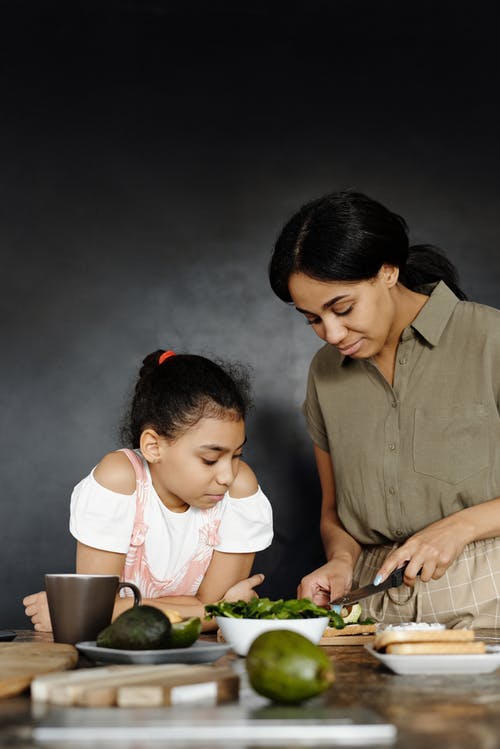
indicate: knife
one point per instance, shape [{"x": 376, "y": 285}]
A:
[{"x": 394, "y": 580}]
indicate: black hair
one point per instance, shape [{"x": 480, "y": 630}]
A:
[
  {"x": 173, "y": 396},
  {"x": 347, "y": 236}
]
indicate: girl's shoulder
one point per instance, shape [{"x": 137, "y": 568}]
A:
[
  {"x": 116, "y": 473},
  {"x": 245, "y": 483}
]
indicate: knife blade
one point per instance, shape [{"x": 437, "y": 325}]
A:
[{"x": 394, "y": 580}]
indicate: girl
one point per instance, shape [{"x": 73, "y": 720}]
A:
[
  {"x": 180, "y": 515},
  {"x": 403, "y": 407}
]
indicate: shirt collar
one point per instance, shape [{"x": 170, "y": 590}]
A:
[
  {"x": 434, "y": 315},
  {"x": 432, "y": 318}
]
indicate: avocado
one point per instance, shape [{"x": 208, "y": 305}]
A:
[
  {"x": 138, "y": 628},
  {"x": 288, "y": 668},
  {"x": 352, "y": 614},
  {"x": 184, "y": 633}
]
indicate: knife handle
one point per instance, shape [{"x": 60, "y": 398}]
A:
[{"x": 397, "y": 576}]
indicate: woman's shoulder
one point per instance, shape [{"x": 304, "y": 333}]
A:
[
  {"x": 116, "y": 473},
  {"x": 477, "y": 309},
  {"x": 479, "y": 321},
  {"x": 245, "y": 483}
]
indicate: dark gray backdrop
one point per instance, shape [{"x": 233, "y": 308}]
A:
[{"x": 150, "y": 152}]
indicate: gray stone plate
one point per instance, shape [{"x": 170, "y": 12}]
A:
[{"x": 199, "y": 652}]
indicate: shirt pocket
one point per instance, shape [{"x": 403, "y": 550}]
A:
[{"x": 451, "y": 444}]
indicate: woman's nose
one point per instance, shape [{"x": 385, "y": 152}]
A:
[{"x": 335, "y": 331}]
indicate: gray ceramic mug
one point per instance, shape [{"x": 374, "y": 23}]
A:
[{"x": 80, "y": 606}]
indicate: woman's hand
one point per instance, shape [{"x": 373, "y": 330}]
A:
[
  {"x": 332, "y": 580},
  {"x": 430, "y": 551},
  {"x": 244, "y": 590},
  {"x": 37, "y": 608}
]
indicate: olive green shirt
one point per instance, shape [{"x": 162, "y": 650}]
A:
[{"x": 408, "y": 455}]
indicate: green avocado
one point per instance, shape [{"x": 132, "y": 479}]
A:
[
  {"x": 288, "y": 668},
  {"x": 184, "y": 634},
  {"x": 138, "y": 628}
]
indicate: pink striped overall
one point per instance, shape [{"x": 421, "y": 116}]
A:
[{"x": 136, "y": 570}]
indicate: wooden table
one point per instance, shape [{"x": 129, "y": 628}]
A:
[
  {"x": 430, "y": 712},
  {"x": 435, "y": 712}
]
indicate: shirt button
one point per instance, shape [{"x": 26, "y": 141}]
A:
[
  {"x": 403, "y": 360},
  {"x": 392, "y": 446},
  {"x": 399, "y": 532},
  {"x": 392, "y": 490},
  {"x": 394, "y": 404}
]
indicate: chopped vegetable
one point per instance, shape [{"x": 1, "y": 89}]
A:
[
  {"x": 264, "y": 608},
  {"x": 336, "y": 620}
]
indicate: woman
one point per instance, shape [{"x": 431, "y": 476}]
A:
[{"x": 403, "y": 407}]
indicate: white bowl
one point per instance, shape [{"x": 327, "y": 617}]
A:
[{"x": 240, "y": 633}]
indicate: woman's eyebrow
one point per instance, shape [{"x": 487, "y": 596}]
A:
[{"x": 324, "y": 306}]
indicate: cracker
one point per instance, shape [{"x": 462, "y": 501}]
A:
[
  {"x": 390, "y": 637},
  {"x": 436, "y": 648}
]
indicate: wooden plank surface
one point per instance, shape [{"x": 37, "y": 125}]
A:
[
  {"x": 21, "y": 662},
  {"x": 137, "y": 685}
]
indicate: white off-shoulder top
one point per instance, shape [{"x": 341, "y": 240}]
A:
[{"x": 104, "y": 519}]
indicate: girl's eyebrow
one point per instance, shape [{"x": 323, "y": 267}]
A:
[
  {"x": 219, "y": 448},
  {"x": 324, "y": 306}
]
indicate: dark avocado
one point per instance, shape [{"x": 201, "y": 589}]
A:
[{"x": 138, "y": 628}]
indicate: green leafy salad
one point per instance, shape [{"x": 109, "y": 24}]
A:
[{"x": 264, "y": 608}]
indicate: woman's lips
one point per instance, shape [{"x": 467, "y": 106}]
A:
[{"x": 352, "y": 349}]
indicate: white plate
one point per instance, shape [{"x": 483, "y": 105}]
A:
[
  {"x": 199, "y": 652},
  {"x": 480, "y": 663}
]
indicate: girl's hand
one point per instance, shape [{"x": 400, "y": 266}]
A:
[
  {"x": 429, "y": 552},
  {"x": 243, "y": 591},
  {"x": 332, "y": 580},
  {"x": 36, "y": 607}
]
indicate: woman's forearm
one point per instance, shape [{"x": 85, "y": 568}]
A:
[
  {"x": 337, "y": 543},
  {"x": 480, "y": 521},
  {"x": 431, "y": 550}
]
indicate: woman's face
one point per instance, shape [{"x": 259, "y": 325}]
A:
[
  {"x": 356, "y": 317},
  {"x": 199, "y": 466}
]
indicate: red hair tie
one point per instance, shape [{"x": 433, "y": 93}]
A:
[{"x": 166, "y": 355}]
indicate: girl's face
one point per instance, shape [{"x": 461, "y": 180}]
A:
[
  {"x": 199, "y": 466},
  {"x": 356, "y": 317}
]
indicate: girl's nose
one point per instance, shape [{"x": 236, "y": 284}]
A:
[{"x": 225, "y": 473}]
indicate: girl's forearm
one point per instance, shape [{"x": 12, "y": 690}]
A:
[{"x": 185, "y": 606}]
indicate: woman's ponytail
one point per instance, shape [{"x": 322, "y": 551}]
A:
[{"x": 427, "y": 264}]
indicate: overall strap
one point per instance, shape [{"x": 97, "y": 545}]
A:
[
  {"x": 137, "y": 464},
  {"x": 142, "y": 488}
]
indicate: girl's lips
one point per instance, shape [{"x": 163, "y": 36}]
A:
[
  {"x": 215, "y": 497},
  {"x": 352, "y": 349}
]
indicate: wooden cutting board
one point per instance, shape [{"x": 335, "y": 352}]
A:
[
  {"x": 347, "y": 640},
  {"x": 20, "y": 662},
  {"x": 331, "y": 639},
  {"x": 138, "y": 685}
]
